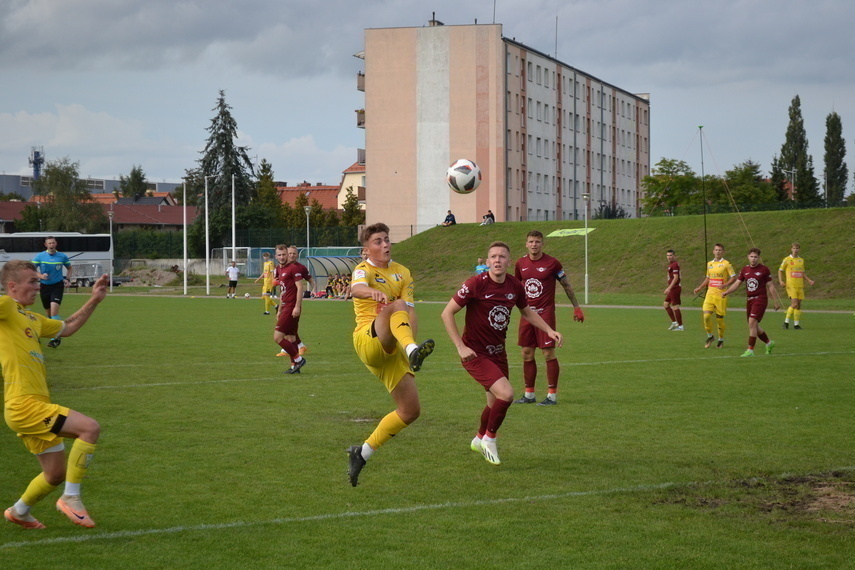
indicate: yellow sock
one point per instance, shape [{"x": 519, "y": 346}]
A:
[
  {"x": 388, "y": 427},
  {"x": 708, "y": 322},
  {"x": 400, "y": 325},
  {"x": 78, "y": 460},
  {"x": 721, "y": 326},
  {"x": 790, "y": 311},
  {"x": 797, "y": 315},
  {"x": 37, "y": 490}
]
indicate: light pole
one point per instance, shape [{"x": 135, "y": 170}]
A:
[
  {"x": 184, "y": 207},
  {"x": 587, "y": 197},
  {"x": 234, "y": 244},
  {"x": 207, "y": 241},
  {"x": 308, "y": 210},
  {"x": 110, "y": 215}
]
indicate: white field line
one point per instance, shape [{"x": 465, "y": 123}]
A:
[
  {"x": 371, "y": 513},
  {"x": 363, "y": 372}
]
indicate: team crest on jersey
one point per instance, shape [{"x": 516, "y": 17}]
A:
[
  {"x": 397, "y": 277},
  {"x": 533, "y": 288},
  {"x": 541, "y": 269},
  {"x": 752, "y": 285},
  {"x": 463, "y": 291},
  {"x": 499, "y": 318}
]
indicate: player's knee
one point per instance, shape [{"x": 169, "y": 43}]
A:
[
  {"x": 90, "y": 431},
  {"x": 410, "y": 413},
  {"x": 55, "y": 474}
]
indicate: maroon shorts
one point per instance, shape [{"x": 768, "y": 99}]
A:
[
  {"x": 285, "y": 323},
  {"x": 531, "y": 337},
  {"x": 486, "y": 370},
  {"x": 673, "y": 296},
  {"x": 756, "y": 308}
]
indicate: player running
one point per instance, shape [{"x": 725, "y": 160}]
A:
[
  {"x": 489, "y": 298},
  {"x": 538, "y": 273},
  {"x": 49, "y": 264},
  {"x": 384, "y": 339},
  {"x": 41, "y": 424},
  {"x": 672, "y": 293},
  {"x": 793, "y": 267},
  {"x": 289, "y": 277},
  {"x": 266, "y": 278},
  {"x": 758, "y": 287},
  {"x": 720, "y": 275}
]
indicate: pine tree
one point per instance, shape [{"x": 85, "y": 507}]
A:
[
  {"x": 795, "y": 162},
  {"x": 223, "y": 158},
  {"x": 836, "y": 172},
  {"x": 268, "y": 195},
  {"x": 135, "y": 184}
]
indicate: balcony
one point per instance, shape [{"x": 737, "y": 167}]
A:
[
  {"x": 360, "y": 81},
  {"x": 360, "y": 118}
]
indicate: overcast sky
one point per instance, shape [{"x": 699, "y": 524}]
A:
[{"x": 114, "y": 83}]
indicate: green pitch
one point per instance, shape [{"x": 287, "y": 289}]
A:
[{"x": 659, "y": 454}]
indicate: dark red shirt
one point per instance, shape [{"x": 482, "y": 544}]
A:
[
  {"x": 538, "y": 279},
  {"x": 674, "y": 273},
  {"x": 755, "y": 279},
  {"x": 488, "y": 311},
  {"x": 288, "y": 276}
]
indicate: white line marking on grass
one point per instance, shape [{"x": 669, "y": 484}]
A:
[
  {"x": 376, "y": 512},
  {"x": 455, "y": 368}
]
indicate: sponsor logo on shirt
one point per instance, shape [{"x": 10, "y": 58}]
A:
[
  {"x": 359, "y": 274},
  {"x": 499, "y": 317}
]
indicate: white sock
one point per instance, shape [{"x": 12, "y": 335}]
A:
[
  {"x": 298, "y": 359},
  {"x": 367, "y": 451},
  {"x": 529, "y": 395},
  {"x": 796, "y": 323},
  {"x": 552, "y": 397},
  {"x": 72, "y": 488},
  {"x": 411, "y": 347},
  {"x": 21, "y": 508},
  {"x": 301, "y": 345}
]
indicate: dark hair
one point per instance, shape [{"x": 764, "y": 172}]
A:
[
  {"x": 534, "y": 233},
  {"x": 377, "y": 228},
  {"x": 671, "y": 251},
  {"x": 754, "y": 250},
  {"x": 719, "y": 245}
]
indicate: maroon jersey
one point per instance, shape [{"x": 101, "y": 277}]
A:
[
  {"x": 755, "y": 279},
  {"x": 674, "y": 273},
  {"x": 538, "y": 279},
  {"x": 288, "y": 276},
  {"x": 488, "y": 311}
]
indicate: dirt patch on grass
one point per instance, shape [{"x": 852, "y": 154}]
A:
[
  {"x": 149, "y": 277},
  {"x": 826, "y": 497}
]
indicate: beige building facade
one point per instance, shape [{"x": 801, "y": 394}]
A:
[{"x": 542, "y": 132}]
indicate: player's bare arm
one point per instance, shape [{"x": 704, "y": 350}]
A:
[
  {"x": 732, "y": 288},
  {"x": 364, "y": 291},
  {"x": 452, "y": 308},
  {"x": 773, "y": 294},
  {"x": 703, "y": 284},
  {"x": 536, "y": 320},
  {"x": 77, "y": 320},
  {"x": 578, "y": 316},
  {"x": 298, "y": 306}
]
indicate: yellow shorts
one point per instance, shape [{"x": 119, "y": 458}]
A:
[
  {"x": 795, "y": 292},
  {"x": 389, "y": 368},
  {"x": 266, "y": 288},
  {"x": 716, "y": 304},
  {"x": 35, "y": 418}
]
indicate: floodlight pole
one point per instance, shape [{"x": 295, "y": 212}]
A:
[
  {"x": 112, "y": 253},
  {"x": 184, "y": 204},
  {"x": 586, "y": 196},
  {"x": 308, "y": 210},
  {"x": 207, "y": 241},
  {"x": 234, "y": 243}
]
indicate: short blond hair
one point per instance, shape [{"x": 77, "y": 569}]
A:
[{"x": 13, "y": 269}]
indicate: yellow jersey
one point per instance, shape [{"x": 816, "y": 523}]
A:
[
  {"x": 718, "y": 273},
  {"x": 21, "y": 355},
  {"x": 267, "y": 270},
  {"x": 394, "y": 280},
  {"x": 794, "y": 269}
]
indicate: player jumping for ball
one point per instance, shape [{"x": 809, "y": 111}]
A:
[{"x": 384, "y": 339}]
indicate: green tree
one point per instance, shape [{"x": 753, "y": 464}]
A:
[
  {"x": 671, "y": 184},
  {"x": 795, "y": 162},
  {"x": 68, "y": 206},
  {"x": 224, "y": 161},
  {"x": 836, "y": 171},
  {"x": 352, "y": 215},
  {"x": 135, "y": 184},
  {"x": 748, "y": 187},
  {"x": 268, "y": 195},
  {"x": 12, "y": 196}
]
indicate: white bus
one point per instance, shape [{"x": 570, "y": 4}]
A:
[{"x": 91, "y": 255}]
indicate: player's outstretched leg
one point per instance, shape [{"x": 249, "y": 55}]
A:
[{"x": 355, "y": 463}]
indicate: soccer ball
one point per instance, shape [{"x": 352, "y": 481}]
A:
[
  {"x": 246, "y": 295},
  {"x": 463, "y": 176}
]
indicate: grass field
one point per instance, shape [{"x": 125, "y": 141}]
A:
[{"x": 660, "y": 454}]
